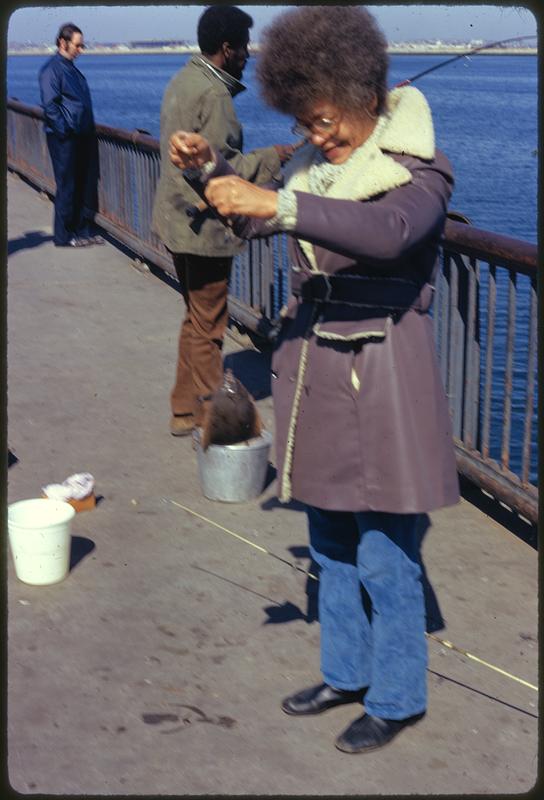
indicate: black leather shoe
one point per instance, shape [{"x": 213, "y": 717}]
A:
[
  {"x": 369, "y": 733},
  {"x": 316, "y": 699}
]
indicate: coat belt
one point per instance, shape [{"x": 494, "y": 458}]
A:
[{"x": 354, "y": 290}]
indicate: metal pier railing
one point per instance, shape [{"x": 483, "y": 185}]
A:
[{"x": 484, "y": 316}]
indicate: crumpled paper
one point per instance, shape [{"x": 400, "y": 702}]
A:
[{"x": 76, "y": 487}]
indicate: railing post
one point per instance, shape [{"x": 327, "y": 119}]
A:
[
  {"x": 530, "y": 385},
  {"x": 508, "y": 372},
  {"x": 472, "y": 357},
  {"x": 456, "y": 338}
]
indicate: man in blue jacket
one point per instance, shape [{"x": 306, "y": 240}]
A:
[{"x": 71, "y": 139}]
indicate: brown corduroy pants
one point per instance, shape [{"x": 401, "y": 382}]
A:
[{"x": 204, "y": 286}]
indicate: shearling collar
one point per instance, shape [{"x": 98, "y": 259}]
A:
[{"x": 405, "y": 128}]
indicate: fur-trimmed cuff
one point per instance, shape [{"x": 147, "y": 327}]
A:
[{"x": 285, "y": 218}]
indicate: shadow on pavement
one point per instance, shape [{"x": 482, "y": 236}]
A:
[
  {"x": 81, "y": 547},
  {"x": 482, "y": 694},
  {"x": 312, "y": 586},
  {"x": 434, "y": 621},
  {"x": 28, "y": 241},
  {"x": 273, "y": 502},
  {"x": 271, "y": 473},
  {"x": 503, "y": 516},
  {"x": 286, "y": 612},
  {"x": 277, "y": 612}
]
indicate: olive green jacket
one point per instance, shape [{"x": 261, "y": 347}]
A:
[{"x": 199, "y": 98}]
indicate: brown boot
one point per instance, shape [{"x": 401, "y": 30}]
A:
[{"x": 182, "y": 424}]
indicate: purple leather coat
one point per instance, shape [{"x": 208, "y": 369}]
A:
[{"x": 362, "y": 421}]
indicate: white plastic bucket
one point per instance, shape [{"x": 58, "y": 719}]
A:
[
  {"x": 40, "y": 539},
  {"x": 233, "y": 473}
]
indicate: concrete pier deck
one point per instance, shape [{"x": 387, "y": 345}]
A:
[{"x": 158, "y": 665}]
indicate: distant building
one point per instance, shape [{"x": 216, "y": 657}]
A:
[{"x": 158, "y": 43}]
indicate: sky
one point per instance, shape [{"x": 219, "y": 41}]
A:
[{"x": 126, "y": 23}]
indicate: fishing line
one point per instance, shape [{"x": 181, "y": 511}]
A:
[
  {"x": 242, "y": 539},
  {"x": 480, "y": 661},
  {"x": 259, "y": 547}
]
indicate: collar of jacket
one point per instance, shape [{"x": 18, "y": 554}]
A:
[
  {"x": 66, "y": 62},
  {"x": 233, "y": 85},
  {"x": 406, "y": 128}
]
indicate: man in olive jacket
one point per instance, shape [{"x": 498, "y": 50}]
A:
[{"x": 199, "y": 99}]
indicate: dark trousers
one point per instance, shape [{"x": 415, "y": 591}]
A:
[
  {"x": 204, "y": 286},
  {"x": 75, "y": 166}
]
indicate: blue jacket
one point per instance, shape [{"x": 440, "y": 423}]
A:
[{"x": 65, "y": 98}]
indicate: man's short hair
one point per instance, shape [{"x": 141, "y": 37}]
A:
[
  {"x": 66, "y": 32},
  {"x": 220, "y": 24}
]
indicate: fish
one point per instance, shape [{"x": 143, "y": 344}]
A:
[{"x": 231, "y": 415}]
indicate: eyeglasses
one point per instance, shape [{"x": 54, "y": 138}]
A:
[{"x": 323, "y": 126}]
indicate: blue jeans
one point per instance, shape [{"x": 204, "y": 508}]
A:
[{"x": 371, "y": 607}]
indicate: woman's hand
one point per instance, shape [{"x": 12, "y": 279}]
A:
[
  {"x": 189, "y": 150},
  {"x": 231, "y": 195}
]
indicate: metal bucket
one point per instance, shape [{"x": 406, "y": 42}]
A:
[{"x": 233, "y": 473}]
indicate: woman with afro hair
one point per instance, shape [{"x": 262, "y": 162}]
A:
[{"x": 363, "y": 433}]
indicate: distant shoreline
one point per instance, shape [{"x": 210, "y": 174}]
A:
[{"x": 414, "y": 50}]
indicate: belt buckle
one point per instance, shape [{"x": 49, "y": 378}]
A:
[{"x": 321, "y": 285}]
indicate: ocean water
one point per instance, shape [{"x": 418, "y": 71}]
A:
[
  {"x": 485, "y": 113},
  {"x": 484, "y": 110}
]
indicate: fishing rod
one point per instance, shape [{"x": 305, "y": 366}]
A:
[
  {"x": 267, "y": 552},
  {"x": 466, "y": 54},
  {"x": 197, "y": 213}
]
